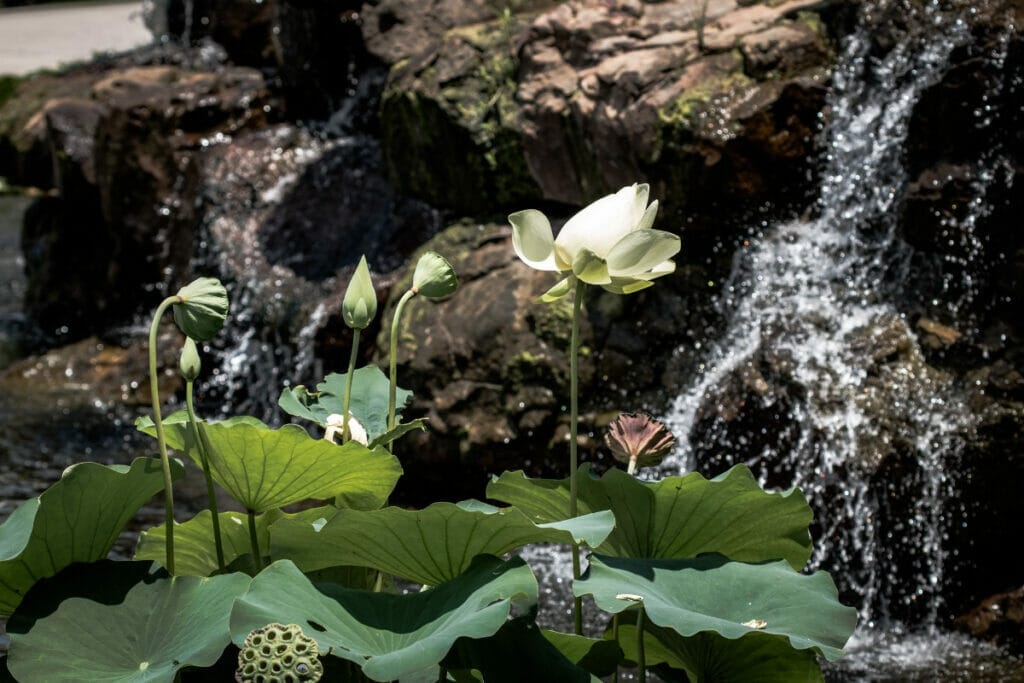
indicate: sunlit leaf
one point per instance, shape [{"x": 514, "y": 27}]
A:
[
  {"x": 428, "y": 546},
  {"x": 676, "y": 517},
  {"x": 388, "y": 635},
  {"x": 78, "y": 519},
  {"x": 160, "y": 628},
  {"x": 265, "y": 468},
  {"x": 732, "y": 599}
]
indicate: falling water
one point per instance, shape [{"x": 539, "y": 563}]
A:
[{"x": 816, "y": 342}]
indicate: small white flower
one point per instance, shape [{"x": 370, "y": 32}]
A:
[
  {"x": 356, "y": 431},
  {"x": 609, "y": 243}
]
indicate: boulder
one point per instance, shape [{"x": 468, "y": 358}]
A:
[
  {"x": 719, "y": 113},
  {"x": 488, "y": 367},
  {"x": 288, "y": 214},
  {"x": 121, "y": 147},
  {"x": 999, "y": 619}
]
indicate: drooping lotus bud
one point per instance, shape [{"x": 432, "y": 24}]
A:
[
  {"x": 359, "y": 306},
  {"x": 189, "y": 363},
  {"x": 434, "y": 277},
  {"x": 202, "y": 308},
  {"x": 639, "y": 440}
]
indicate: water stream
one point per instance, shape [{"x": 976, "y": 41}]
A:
[{"x": 816, "y": 339}]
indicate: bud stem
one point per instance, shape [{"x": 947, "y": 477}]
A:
[
  {"x": 211, "y": 494},
  {"x": 154, "y": 390},
  {"x": 393, "y": 361},
  {"x": 574, "y": 348},
  {"x": 348, "y": 384}
]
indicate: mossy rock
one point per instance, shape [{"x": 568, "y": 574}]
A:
[{"x": 448, "y": 122}]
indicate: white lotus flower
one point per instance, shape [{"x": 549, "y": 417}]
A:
[
  {"x": 356, "y": 431},
  {"x": 609, "y": 243}
]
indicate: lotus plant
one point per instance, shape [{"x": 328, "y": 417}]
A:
[
  {"x": 611, "y": 244},
  {"x": 434, "y": 278},
  {"x": 200, "y": 309},
  {"x": 358, "y": 309}
]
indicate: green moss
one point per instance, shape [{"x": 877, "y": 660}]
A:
[
  {"x": 8, "y": 86},
  {"x": 684, "y": 109},
  {"x": 552, "y": 322},
  {"x": 813, "y": 19},
  {"x": 468, "y": 121}
]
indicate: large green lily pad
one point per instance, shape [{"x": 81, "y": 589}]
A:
[
  {"x": 265, "y": 468},
  {"x": 78, "y": 519},
  {"x": 429, "y": 546},
  {"x": 389, "y": 636},
  {"x": 676, "y": 517},
  {"x": 160, "y": 628},
  {"x": 732, "y": 599}
]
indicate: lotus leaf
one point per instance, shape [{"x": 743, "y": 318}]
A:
[{"x": 389, "y": 636}]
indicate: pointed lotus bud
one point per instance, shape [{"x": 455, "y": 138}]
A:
[
  {"x": 189, "y": 363},
  {"x": 359, "y": 306},
  {"x": 639, "y": 440},
  {"x": 434, "y": 277},
  {"x": 202, "y": 308}
]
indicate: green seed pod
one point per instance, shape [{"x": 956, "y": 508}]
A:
[
  {"x": 434, "y": 277},
  {"x": 202, "y": 308},
  {"x": 359, "y": 306},
  {"x": 278, "y": 653},
  {"x": 189, "y": 363}
]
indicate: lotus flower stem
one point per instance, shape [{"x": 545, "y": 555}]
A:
[
  {"x": 254, "y": 541},
  {"x": 211, "y": 494},
  {"x": 641, "y": 657},
  {"x": 393, "y": 360},
  {"x": 348, "y": 384},
  {"x": 154, "y": 390},
  {"x": 615, "y": 638},
  {"x": 574, "y": 367}
]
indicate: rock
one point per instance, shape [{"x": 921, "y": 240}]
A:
[
  {"x": 122, "y": 155},
  {"x": 999, "y": 619},
  {"x": 488, "y": 367},
  {"x": 243, "y": 27},
  {"x": 288, "y": 215},
  {"x": 319, "y": 54},
  {"x": 962, "y": 208},
  {"x": 584, "y": 98},
  {"x": 98, "y": 372}
]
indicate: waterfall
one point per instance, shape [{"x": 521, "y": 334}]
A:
[{"x": 815, "y": 338}]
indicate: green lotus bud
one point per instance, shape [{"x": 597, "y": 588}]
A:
[
  {"x": 202, "y": 309},
  {"x": 189, "y": 363},
  {"x": 278, "y": 653},
  {"x": 359, "y": 306},
  {"x": 434, "y": 277}
]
